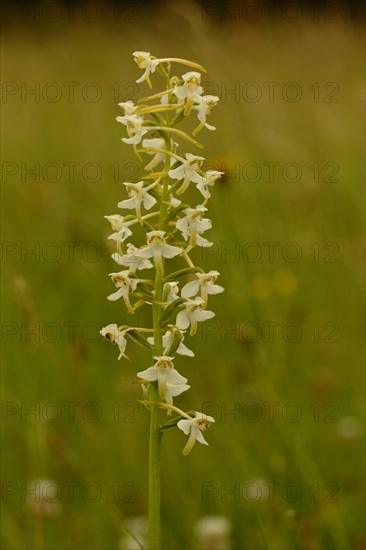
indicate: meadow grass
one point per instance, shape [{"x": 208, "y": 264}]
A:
[{"x": 229, "y": 369}]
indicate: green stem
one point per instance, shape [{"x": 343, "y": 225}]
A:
[
  {"x": 154, "y": 444},
  {"x": 155, "y": 434},
  {"x": 154, "y": 477}
]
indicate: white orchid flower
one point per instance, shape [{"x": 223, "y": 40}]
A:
[
  {"x": 120, "y": 226},
  {"x": 158, "y": 249},
  {"x": 170, "y": 382},
  {"x": 113, "y": 334},
  {"x": 168, "y": 340},
  {"x": 170, "y": 292},
  {"x": 203, "y": 285},
  {"x": 170, "y": 228},
  {"x": 194, "y": 428},
  {"x": 145, "y": 61},
  {"x": 128, "y": 106},
  {"x": 125, "y": 285},
  {"x": 204, "y": 108},
  {"x": 187, "y": 172},
  {"x": 149, "y": 62},
  {"x": 173, "y": 202},
  {"x": 190, "y": 90},
  {"x": 208, "y": 180},
  {"x": 131, "y": 259},
  {"x": 193, "y": 224},
  {"x": 134, "y": 126},
  {"x": 192, "y": 314},
  {"x": 138, "y": 196},
  {"x": 156, "y": 143}
]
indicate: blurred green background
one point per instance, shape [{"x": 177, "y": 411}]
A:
[{"x": 309, "y": 292}]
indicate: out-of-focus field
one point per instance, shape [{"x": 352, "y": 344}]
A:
[{"x": 314, "y": 285}]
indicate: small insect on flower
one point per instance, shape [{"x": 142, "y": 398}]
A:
[{"x": 112, "y": 333}]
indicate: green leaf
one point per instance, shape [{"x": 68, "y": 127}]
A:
[
  {"x": 155, "y": 193},
  {"x": 173, "y": 213},
  {"x": 149, "y": 226},
  {"x": 170, "y": 425},
  {"x": 146, "y": 297},
  {"x": 138, "y": 338},
  {"x": 145, "y": 288},
  {"x": 176, "y": 340},
  {"x": 175, "y": 185},
  {"x": 161, "y": 70},
  {"x": 181, "y": 273},
  {"x": 158, "y": 118},
  {"x": 178, "y": 118},
  {"x": 168, "y": 311}
]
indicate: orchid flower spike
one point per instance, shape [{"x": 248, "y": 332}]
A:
[{"x": 154, "y": 237}]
